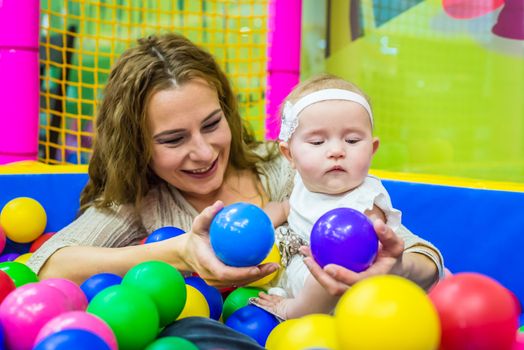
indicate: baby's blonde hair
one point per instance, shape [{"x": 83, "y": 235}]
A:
[{"x": 320, "y": 82}]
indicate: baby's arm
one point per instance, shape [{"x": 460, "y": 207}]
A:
[
  {"x": 375, "y": 213},
  {"x": 277, "y": 212}
]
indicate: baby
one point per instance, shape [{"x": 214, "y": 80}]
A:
[{"x": 327, "y": 136}]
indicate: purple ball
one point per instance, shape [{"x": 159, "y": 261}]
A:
[
  {"x": 345, "y": 237},
  {"x": 9, "y": 257}
]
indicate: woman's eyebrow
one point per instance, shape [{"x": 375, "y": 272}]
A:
[{"x": 174, "y": 131}]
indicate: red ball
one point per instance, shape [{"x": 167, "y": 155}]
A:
[
  {"x": 6, "y": 285},
  {"x": 37, "y": 243},
  {"x": 476, "y": 312},
  {"x": 2, "y": 240}
]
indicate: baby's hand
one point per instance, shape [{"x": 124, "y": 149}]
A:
[{"x": 274, "y": 304}]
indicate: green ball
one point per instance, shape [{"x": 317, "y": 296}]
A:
[
  {"x": 130, "y": 313},
  {"x": 19, "y": 273},
  {"x": 170, "y": 343},
  {"x": 163, "y": 284},
  {"x": 238, "y": 299}
]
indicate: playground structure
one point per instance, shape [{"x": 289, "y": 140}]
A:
[
  {"x": 78, "y": 41},
  {"x": 473, "y": 222}
]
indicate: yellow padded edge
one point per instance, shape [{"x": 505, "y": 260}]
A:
[
  {"x": 449, "y": 181},
  {"x": 34, "y": 167}
]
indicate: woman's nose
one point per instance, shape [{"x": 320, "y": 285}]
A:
[{"x": 201, "y": 149}]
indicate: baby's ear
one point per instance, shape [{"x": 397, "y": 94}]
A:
[
  {"x": 376, "y": 143},
  {"x": 286, "y": 152}
]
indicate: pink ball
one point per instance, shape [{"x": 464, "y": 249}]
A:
[
  {"x": 26, "y": 309},
  {"x": 519, "y": 342},
  {"x": 79, "y": 320},
  {"x": 72, "y": 291}
]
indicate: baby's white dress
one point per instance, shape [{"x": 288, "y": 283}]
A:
[{"x": 307, "y": 207}]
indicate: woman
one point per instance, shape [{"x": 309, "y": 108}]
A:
[{"x": 169, "y": 145}]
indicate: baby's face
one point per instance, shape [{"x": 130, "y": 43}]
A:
[{"x": 332, "y": 146}]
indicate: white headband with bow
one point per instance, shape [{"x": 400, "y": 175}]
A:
[{"x": 291, "y": 111}]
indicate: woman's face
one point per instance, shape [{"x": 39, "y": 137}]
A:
[{"x": 191, "y": 138}]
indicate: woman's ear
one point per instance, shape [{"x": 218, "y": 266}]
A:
[{"x": 286, "y": 152}]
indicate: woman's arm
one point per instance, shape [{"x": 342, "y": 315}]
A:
[
  {"x": 391, "y": 259},
  {"x": 188, "y": 252}
]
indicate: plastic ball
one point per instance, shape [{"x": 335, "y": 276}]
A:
[
  {"x": 311, "y": 331},
  {"x": 98, "y": 282},
  {"x": 238, "y": 299},
  {"x": 73, "y": 293},
  {"x": 163, "y": 283},
  {"x": 273, "y": 257},
  {"x": 476, "y": 312},
  {"x": 19, "y": 273},
  {"x": 170, "y": 343},
  {"x": 212, "y": 295},
  {"x": 9, "y": 257},
  {"x": 163, "y": 233},
  {"x": 278, "y": 334},
  {"x": 386, "y": 312},
  {"x": 254, "y": 322},
  {"x": 78, "y": 339},
  {"x": 79, "y": 320},
  {"x": 39, "y": 241},
  {"x": 196, "y": 304},
  {"x": 345, "y": 237},
  {"x": 519, "y": 342},
  {"x": 2, "y": 240},
  {"x": 241, "y": 234},
  {"x": 23, "y": 219},
  {"x": 22, "y": 259},
  {"x": 6, "y": 285},
  {"x": 14, "y": 247},
  {"x": 131, "y": 314},
  {"x": 26, "y": 309},
  {"x": 2, "y": 338}
]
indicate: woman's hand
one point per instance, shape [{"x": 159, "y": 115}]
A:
[
  {"x": 337, "y": 279},
  {"x": 200, "y": 257}
]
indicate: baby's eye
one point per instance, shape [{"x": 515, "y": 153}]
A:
[
  {"x": 352, "y": 141},
  {"x": 316, "y": 142}
]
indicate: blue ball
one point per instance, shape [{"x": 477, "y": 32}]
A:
[
  {"x": 97, "y": 283},
  {"x": 241, "y": 234},
  {"x": 212, "y": 295},
  {"x": 78, "y": 339},
  {"x": 253, "y": 322},
  {"x": 2, "y": 338},
  {"x": 163, "y": 233}
]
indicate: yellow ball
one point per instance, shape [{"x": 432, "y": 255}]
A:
[
  {"x": 278, "y": 334},
  {"x": 23, "y": 258},
  {"x": 308, "y": 332},
  {"x": 387, "y": 312},
  {"x": 23, "y": 219},
  {"x": 272, "y": 257},
  {"x": 196, "y": 304}
]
